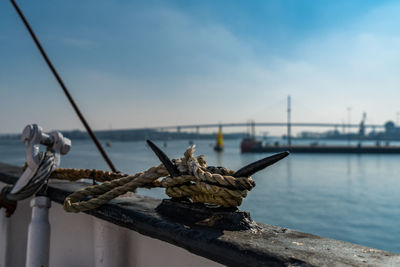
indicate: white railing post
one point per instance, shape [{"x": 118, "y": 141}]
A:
[
  {"x": 4, "y": 221},
  {"x": 38, "y": 244}
]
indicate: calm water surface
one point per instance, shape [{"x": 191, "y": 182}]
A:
[{"x": 353, "y": 198}]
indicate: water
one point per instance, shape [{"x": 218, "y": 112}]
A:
[{"x": 353, "y": 198}]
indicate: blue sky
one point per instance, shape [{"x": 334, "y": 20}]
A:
[{"x": 133, "y": 64}]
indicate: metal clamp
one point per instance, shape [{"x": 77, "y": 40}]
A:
[
  {"x": 33, "y": 136},
  {"x": 40, "y": 163}
]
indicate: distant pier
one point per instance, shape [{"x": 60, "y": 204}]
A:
[{"x": 325, "y": 149}]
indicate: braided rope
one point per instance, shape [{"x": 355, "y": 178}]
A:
[
  {"x": 110, "y": 190},
  {"x": 200, "y": 183},
  {"x": 77, "y": 174}
]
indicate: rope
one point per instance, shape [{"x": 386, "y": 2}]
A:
[
  {"x": 77, "y": 174},
  {"x": 198, "y": 182}
]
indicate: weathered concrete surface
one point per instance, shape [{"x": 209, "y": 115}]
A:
[{"x": 263, "y": 245}]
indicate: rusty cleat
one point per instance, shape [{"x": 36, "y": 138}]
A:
[{"x": 202, "y": 213}]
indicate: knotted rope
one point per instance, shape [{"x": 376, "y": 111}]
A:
[{"x": 198, "y": 182}]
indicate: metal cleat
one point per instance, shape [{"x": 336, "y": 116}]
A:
[{"x": 247, "y": 170}]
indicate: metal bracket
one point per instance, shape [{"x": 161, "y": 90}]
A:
[{"x": 33, "y": 136}]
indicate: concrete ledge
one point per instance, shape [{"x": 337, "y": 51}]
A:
[{"x": 266, "y": 245}]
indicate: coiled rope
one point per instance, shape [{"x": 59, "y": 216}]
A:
[{"x": 198, "y": 182}]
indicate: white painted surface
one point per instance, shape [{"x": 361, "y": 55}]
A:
[
  {"x": 80, "y": 240},
  {"x": 39, "y": 233},
  {"x": 111, "y": 245},
  {"x": 140, "y": 250},
  {"x": 3, "y": 237},
  {"x": 71, "y": 239},
  {"x": 17, "y": 235}
]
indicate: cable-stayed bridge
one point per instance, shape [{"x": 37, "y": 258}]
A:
[{"x": 267, "y": 124}]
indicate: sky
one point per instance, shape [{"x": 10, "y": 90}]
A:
[{"x": 134, "y": 64}]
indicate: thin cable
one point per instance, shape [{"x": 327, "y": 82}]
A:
[{"x": 71, "y": 100}]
